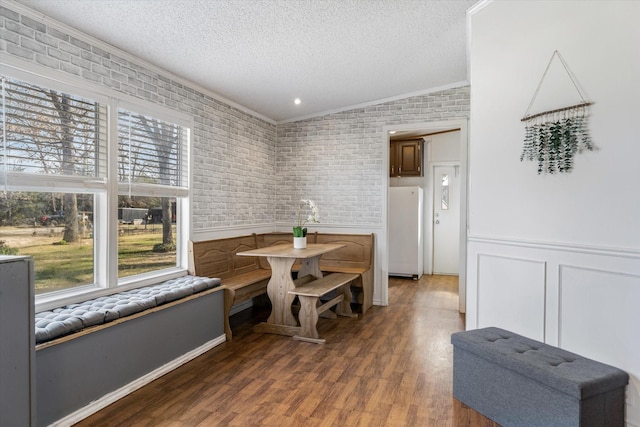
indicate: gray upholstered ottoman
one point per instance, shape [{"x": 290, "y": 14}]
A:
[{"x": 516, "y": 381}]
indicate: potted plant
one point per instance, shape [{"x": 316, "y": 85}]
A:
[{"x": 300, "y": 231}]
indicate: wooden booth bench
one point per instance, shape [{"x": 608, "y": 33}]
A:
[
  {"x": 309, "y": 294},
  {"x": 244, "y": 278},
  {"x": 356, "y": 258}
]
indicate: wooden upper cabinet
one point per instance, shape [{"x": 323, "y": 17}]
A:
[{"x": 406, "y": 158}]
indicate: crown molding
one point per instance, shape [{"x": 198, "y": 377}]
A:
[
  {"x": 376, "y": 102},
  {"x": 46, "y": 20}
]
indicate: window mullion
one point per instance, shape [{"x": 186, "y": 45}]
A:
[
  {"x": 5, "y": 169},
  {"x": 77, "y": 151},
  {"x": 108, "y": 208}
]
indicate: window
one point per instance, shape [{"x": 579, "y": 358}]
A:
[
  {"x": 444, "y": 198},
  {"x": 146, "y": 242},
  {"x": 49, "y": 132},
  {"x": 152, "y": 156},
  {"x": 35, "y": 223},
  {"x": 92, "y": 217},
  {"x": 150, "y": 151},
  {"x": 53, "y": 149}
]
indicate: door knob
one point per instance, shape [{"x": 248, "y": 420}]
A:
[{"x": 437, "y": 221}]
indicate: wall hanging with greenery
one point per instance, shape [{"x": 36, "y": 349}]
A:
[{"x": 553, "y": 137}]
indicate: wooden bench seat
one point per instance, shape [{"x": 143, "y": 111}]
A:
[
  {"x": 240, "y": 288},
  {"x": 310, "y": 306},
  {"x": 242, "y": 277},
  {"x": 241, "y": 280},
  {"x": 355, "y": 258}
]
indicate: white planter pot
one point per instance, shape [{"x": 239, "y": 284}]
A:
[{"x": 299, "y": 242}]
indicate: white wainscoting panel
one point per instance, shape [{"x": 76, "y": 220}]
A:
[
  {"x": 583, "y": 299},
  {"x": 599, "y": 315},
  {"x": 511, "y": 294}
]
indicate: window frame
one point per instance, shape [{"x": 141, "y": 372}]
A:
[{"x": 106, "y": 189}]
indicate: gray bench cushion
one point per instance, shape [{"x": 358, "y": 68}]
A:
[
  {"x": 75, "y": 317},
  {"x": 564, "y": 371}
]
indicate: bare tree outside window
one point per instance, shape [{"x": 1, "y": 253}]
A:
[
  {"x": 49, "y": 132},
  {"x": 54, "y": 182},
  {"x": 150, "y": 151},
  {"x": 167, "y": 139}
]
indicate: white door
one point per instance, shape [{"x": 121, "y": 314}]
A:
[{"x": 446, "y": 219}]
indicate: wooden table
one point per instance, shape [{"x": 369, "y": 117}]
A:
[{"x": 281, "y": 258}]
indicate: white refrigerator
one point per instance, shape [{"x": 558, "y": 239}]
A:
[{"x": 405, "y": 232}]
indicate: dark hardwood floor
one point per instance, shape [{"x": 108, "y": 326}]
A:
[{"x": 391, "y": 368}]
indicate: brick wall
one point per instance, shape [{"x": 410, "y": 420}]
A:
[
  {"x": 337, "y": 160},
  {"x": 233, "y": 152}
]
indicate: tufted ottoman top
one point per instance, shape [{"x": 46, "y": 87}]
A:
[
  {"x": 75, "y": 317},
  {"x": 564, "y": 371}
]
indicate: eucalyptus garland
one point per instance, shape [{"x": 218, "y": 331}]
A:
[
  {"x": 553, "y": 143},
  {"x": 553, "y": 137}
]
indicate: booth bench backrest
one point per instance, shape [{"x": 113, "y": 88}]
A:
[
  {"x": 358, "y": 254},
  {"x": 217, "y": 258}
]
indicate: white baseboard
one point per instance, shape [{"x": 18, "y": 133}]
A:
[{"x": 110, "y": 398}]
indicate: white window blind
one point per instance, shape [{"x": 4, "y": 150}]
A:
[
  {"x": 151, "y": 151},
  {"x": 67, "y": 148},
  {"x": 49, "y": 132}
]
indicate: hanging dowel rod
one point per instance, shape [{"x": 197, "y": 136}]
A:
[{"x": 533, "y": 116}]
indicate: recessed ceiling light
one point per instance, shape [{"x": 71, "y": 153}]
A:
[
  {"x": 391, "y": 132},
  {"x": 297, "y": 101}
]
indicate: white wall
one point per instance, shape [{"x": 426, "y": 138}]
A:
[
  {"x": 557, "y": 257},
  {"x": 444, "y": 147}
]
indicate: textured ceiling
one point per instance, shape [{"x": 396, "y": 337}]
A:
[{"x": 263, "y": 54}]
